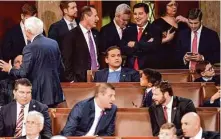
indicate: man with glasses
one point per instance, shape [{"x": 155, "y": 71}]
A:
[
  {"x": 34, "y": 125},
  {"x": 167, "y": 107},
  {"x": 13, "y": 115}
]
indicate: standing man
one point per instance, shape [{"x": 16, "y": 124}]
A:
[
  {"x": 198, "y": 43},
  {"x": 168, "y": 108},
  {"x": 93, "y": 116},
  {"x": 58, "y": 29},
  {"x": 13, "y": 115},
  {"x": 140, "y": 42},
  {"x": 112, "y": 33},
  {"x": 15, "y": 39},
  {"x": 41, "y": 64},
  {"x": 80, "y": 51}
]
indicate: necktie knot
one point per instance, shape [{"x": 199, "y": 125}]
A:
[
  {"x": 71, "y": 25},
  {"x": 140, "y": 29},
  {"x": 22, "y": 106},
  {"x": 165, "y": 107}
]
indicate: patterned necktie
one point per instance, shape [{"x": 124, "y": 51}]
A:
[
  {"x": 92, "y": 52},
  {"x": 165, "y": 113},
  {"x": 71, "y": 25},
  {"x": 194, "y": 50},
  {"x": 136, "y": 66},
  {"x": 19, "y": 123}
]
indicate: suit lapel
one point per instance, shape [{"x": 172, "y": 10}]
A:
[
  {"x": 102, "y": 121},
  {"x": 105, "y": 77},
  {"x": 159, "y": 114},
  {"x": 174, "y": 108},
  {"x": 64, "y": 25},
  {"x": 91, "y": 114},
  {"x": 189, "y": 41},
  {"x": 32, "y": 106},
  {"x": 115, "y": 31},
  {"x": 145, "y": 32},
  {"x": 14, "y": 115},
  {"x": 201, "y": 40},
  {"x": 122, "y": 75}
]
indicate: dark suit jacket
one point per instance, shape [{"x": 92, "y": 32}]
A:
[
  {"x": 216, "y": 103},
  {"x": 143, "y": 49},
  {"x": 81, "y": 119},
  {"x": 127, "y": 75},
  {"x": 76, "y": 54},
  {"x": 180, "y": 107},
  {"x": 40, "y": 137},
  {"x": 209, "y": 45},
  {"x": 41, "y": 65},
  {"x": 147, "y": 99},
  {"x": 201, "y": 80},
  {"x": 8, "y": 118},
  {"x": 206, "y": 135}
]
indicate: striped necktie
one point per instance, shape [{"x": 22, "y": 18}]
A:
[{"x": 19, "y": 123}]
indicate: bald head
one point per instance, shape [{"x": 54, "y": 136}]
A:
[{"x": 190, "y": 124}]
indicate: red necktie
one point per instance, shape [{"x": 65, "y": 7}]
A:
[
  {"x": 194, "y": 50},
  {"x": 165, "y": 113},
  {"x": 136, "y": 66},
  {"x": 19, "y": 123}
]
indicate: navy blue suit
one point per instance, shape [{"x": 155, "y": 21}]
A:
[
  {"x": 8, "y": 115},
  {"x": 126, "y": 75},
  {"x": 41, "y": 65},
  {"x": 143, "y": 50},
  {"x": 82, "y": 116},
  {"x": 147, "y": 99},
  {"x": 209, "y": 46},
  {"x": 201, "y": 80},
  {"x": 216, "y": 103}
]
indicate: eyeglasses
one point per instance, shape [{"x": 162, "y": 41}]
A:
[
  {"x": 173, "y": 4},
  {"x": 210, "y": 69}
]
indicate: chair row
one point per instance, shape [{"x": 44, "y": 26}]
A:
[
  {"x": 128, "y": 94},
  {"x": 172, "y": 75},
  {"x": 136, "y": 121}
]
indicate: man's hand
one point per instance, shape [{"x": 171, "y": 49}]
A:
[
  {"x": 6, "y": 67},
  {"x": 196, "y": 57},
  {"x": 168, "y": 36},
  {"x": 131, "y": 44}
]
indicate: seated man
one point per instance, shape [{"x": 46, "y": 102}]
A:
[
  {"x": 192, "y": 128},
  {"x": 168, "y": 108},
  {"x": 148, "y": 79},
  {"x": 34, "y": 125},
  {"x": 206, "y": 71},
  {"x": 13, "y": 115},
  {"x": 214, "y": 101},
  {"x": 167, "y": 131},
  {"x": 115, "y": 73},
  {"x": 93, "y": 116}
]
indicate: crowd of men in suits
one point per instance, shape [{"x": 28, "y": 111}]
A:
[{"x": 74, "y": 46}]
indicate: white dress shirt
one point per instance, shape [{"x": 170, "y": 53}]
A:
[
  {"x": 142, "y": 27},
  {"x": 85, "y": 32},
  {"x": 198, "y": 135},
  {"x": 169, "y": 109},
  {"x": 119, "y": 69},
  {"x": 97, "y": 117},
  {"x": 34, "y": 138},
  {"x": 23, "y": 32},
  {"x": 119, "y": 30},
  {"x": 68, "y": 23},
  {"x": 198, "y": 37},
  {"x": 25, "y": 115}
]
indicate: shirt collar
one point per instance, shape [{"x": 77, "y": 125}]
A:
[
  {"x": 148, "y": 89},
  {"x": 97, "y": 108},
  {"x": 119, "y": 69},
  {"x": 142, "y": 26},
  {"x": 19, "y": 105},
  {"x": 35, "y": 137},
  {"x": 207, "y": 79},
  {"x": 68, "y": 22},
  {"x": 118, "y": 27},
  {"x": 84, "y": 30},
  {"x": 22, "y": 25},
  {"x": 169, "y": 105},
  {"x": 199, "y": 30},
  {"x": 34, "y": 38},
  {"x": 198, "y": 135}
]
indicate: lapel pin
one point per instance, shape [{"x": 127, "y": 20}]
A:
[
  {"x": 145, "y": 33},
  {"x": 34, "y": 106},
  {"x": 174, "y": 108},
  {"x": 124, "y": 75}
]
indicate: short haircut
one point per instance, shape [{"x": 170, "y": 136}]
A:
[
  {"x": 64, "y": 4},
  {"x": 22, "y": 81},
  {"x": 102, "y": 87},
  {"x": 140, "y": 5},
  {"x": 165, "y": 86},
  {"x": 111, "y": 48},
  {"x": 153, "y": 76},
  {"x": 37, "y": 114},
  {"x": 195, "y": 13},
  {"x": 123, "y": 9},
  {"x": 169, "y": 126},
  {"x": 201, "y": 66},
  {"x": 28, "y": 9},
  {"x": 86, "y": 10},
  {"x": 35, "y": 25},
  {"x": 162, "y": 6}
]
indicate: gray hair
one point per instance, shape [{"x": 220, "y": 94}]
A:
[
  {"x": 34, "y": 25},
  {"x": 37, "y": 114},
  {"x": 123, "y": 9}
]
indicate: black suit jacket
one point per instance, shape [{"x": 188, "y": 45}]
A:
[
  {"x": 8, "y": 118},
  {"x": 82, "y": 116},
  {"x": 41, "y": 65},
  {"x": 76, "y": 54},
  {"x": 126, "y": 75},
  {"x": 143, "y": 49},
  {"x": 147, "y": 99},
  {"x": 206, "y": 135},
  {"x": 180, "y": 107},
  {"x": 209, "y": 45},
  {"x": 40, "y": 137},
  {"x": 201, "y": 80}
]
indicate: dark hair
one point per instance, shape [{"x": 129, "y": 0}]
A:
[
  {"x": 162, "y": 6},
  {"x": 165, "y": 87},
  {"x": 153, "y": 76},
  {"x": 195, "y": 13},
  {"x": 102, "y": 87},
  {"x": 201, "y": 66},
  {"x": 86, "y": 10},
  {"x": 64, "y": 4},
  {"x": 111, "y": 48},
  {"x": 139, "y": 5},
  {"x": 22, "y": 81},
  {"x": 28, "y": 9}
]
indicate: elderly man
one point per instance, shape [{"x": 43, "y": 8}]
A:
[
  {"x": 192, "y": 128},
  {"x": 41, "y": 64},
  {"x": 93, "y": 116},
  {"x": 34, "y": 125}
]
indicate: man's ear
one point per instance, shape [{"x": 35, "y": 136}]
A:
[
  {"x": 106, "y": 60},
  {"x": 22, "y": 16},
  {"x": 202, "y": 74},
  {"x": 14, "y": 93}
]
